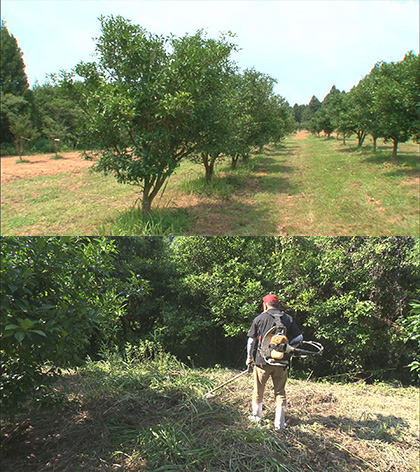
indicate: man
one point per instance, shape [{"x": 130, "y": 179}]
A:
[{"x": 270, "y": 332}]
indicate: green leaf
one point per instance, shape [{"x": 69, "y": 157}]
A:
[
  {"x": 19, "y": 335},
  {"x": 11, "y": 326},
  {"x": 22, "y": 304},
  {"x": 26, "y": 323},
  {"x": 37, "y": 331}
]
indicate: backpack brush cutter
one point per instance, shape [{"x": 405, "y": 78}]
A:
[{"x": 281, "y": 348}]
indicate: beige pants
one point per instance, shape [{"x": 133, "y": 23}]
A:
[{"x": 279, "y": 376}]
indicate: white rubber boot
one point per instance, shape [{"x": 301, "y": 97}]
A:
[
  {"x": 280, "y": 418},
  {"x": 256, "y": 412}
]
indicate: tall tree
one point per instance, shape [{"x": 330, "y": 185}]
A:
[
  {"x": 56, "y": 116},
  {"x": 13, "y": 78}
]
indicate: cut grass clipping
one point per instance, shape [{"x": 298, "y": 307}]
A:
[{"x": 143, "y": 410}]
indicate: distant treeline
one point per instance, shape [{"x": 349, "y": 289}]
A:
[
  {"x": 384, "y": 104},
  {"x": 67, "y": 298}
]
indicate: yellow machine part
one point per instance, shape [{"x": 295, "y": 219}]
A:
[
  {"x": 277, "y": 355},
  {"x": 278, "y": 339}
]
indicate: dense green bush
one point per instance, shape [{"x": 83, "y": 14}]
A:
[{"x": 55, "y": 291}]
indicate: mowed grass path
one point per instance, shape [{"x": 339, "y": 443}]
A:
[
  {"x": 310, "y": 186},
  {"x": 340, "y": 190}
]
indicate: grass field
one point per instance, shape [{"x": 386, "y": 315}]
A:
[
  {"x": 151, "y": 415},
  {"x": 310, "y": 186}
]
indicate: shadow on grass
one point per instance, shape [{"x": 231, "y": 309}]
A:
[
  {"x": 142, "y": 428},
  {"x": 267, "y": 175},
  {"x": 405, "y": 165},
  {"x": 383, "y": 428},
  {"x": 230, "y": 217}
]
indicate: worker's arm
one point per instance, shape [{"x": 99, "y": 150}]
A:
[
  {"x": 295, "y": 341},
  {"x": 250, "y": 350}
]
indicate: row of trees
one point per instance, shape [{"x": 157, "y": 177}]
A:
[
  {"x": 151, "y": 101},
  {"x": 147, "y": 103},
  {"x": 66, "y": 298},
  {"x": 385, "y": 104}
]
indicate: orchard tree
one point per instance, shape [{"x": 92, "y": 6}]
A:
[
  {"x": 368, "y": 88},
  {"x": 323, "y": 121},
  {"x": 313, "y": 106},
  {"x": 258, "y": 114},
  {"x": 341, "y": 107},
  {"x": 298, "y": 114},
  {"x": 17, "y": 111},
  {"x": 329, "y": 111},
  {"x": 359, "y": 112},
  {"x": 282, "y": 118},
  {"x": 215, "y": 112},
  {"x": 145, "y": 100},
  {"x": 397, "y": 99},
  {"x": 258, "y": 97}
]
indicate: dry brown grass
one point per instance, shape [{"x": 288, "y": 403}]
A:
[{"x": 353, "y": 427}]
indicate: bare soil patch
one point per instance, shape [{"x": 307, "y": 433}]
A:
[
  {"x": 40, "y": 165},
  {"x": 303, "y": 134}
]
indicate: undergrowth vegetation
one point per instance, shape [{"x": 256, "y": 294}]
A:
[{"x": 144, "y": 410}]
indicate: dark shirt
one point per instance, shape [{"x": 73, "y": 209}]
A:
[{"x": 265, "y": 321}]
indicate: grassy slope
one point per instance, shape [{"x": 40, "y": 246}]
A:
[
  {"x": 307, "y": 187},
  {"x": 152, "y": 416}
]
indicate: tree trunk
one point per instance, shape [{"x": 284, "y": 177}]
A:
[
  {"x": 361, "y": 135},
  {"x": 209, "y": 166},
  {"x": 234, "y": 162},
  {"x": 344, "y": 139},
  {"x": 146, "y": 204},
  {"x": 374, "y": 138},
  {"x": 394, "y": 148}
]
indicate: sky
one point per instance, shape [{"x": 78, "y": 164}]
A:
[{"x": 306, "y": 45}]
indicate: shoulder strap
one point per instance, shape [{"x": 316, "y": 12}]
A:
[{"x": 277, "y": 320}]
